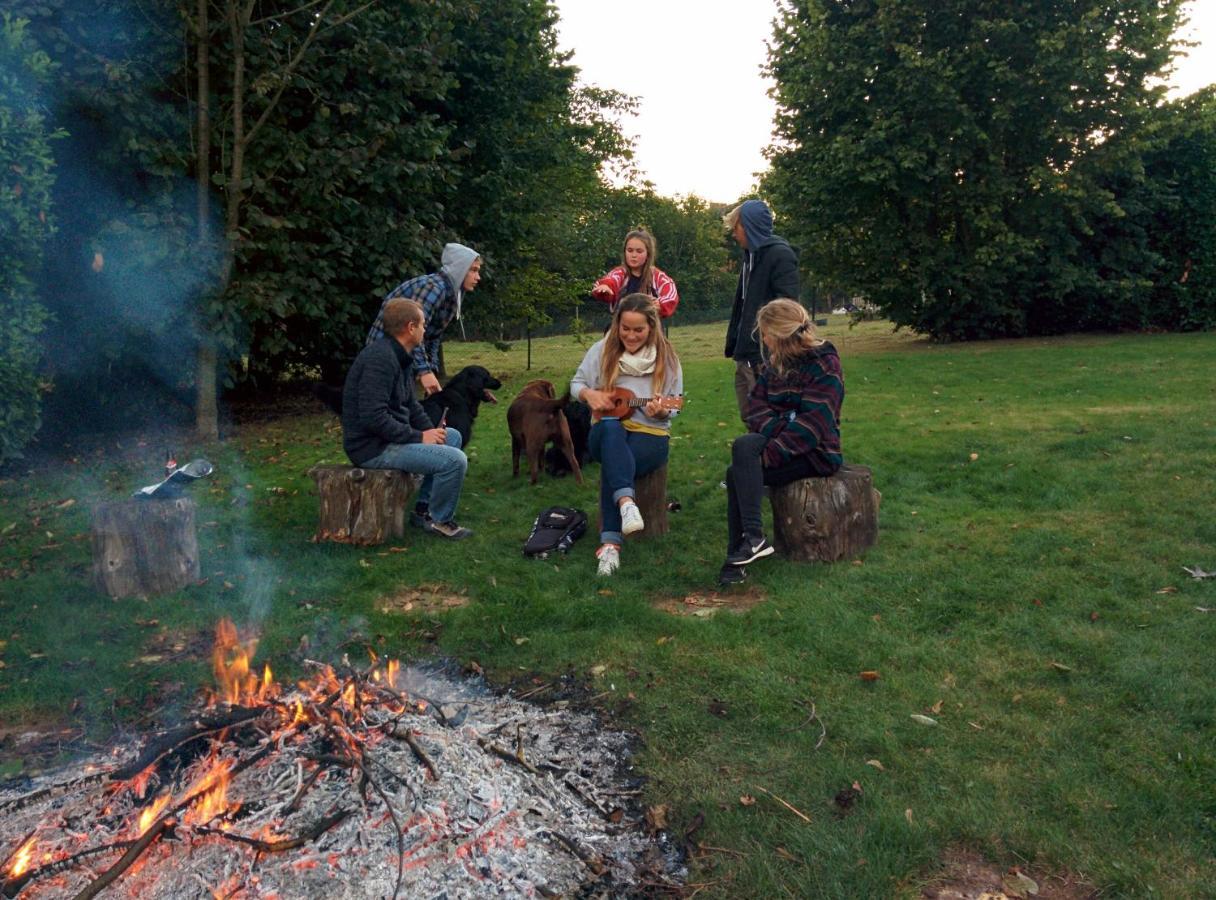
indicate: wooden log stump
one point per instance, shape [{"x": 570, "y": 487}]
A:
[
  {"x": 362, "y": 506},
  {"x": 826, "y": 519},
  {"x": 144, "y": 548},
  {"x": 651, "y": 497}
]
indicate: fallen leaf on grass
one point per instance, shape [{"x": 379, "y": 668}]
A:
[
  {"x": 1169, "y": 589},
  {"x": 1060, "y": 667},
  {"x": 520, "y": 641},
  {"x": 1203, "y": 609},
  {"x": 65, "y": 504},
  {"x": 1198, "y": 572},
  {"x": 973, "y": 457},
  {"x": 664, "y": 639},
  {"x": 747, "y": 800},
  {"x": 597, "y": 671},
  {"x": 604, "y": 592},
  {"x": 787, "y": 856},
  {"x": 876, "y": 764},
  {"x": 869, "y": 675},
  {"x": 7, "y": 528},
  {"x": 656, "y": 817},
  {"x": 908, "y": 815},
  {"x": 1019, "y": 885},
  {"x": 923, "y": 720},
  {"x": 936, "y": 708}
]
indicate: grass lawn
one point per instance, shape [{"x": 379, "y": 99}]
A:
[{"x": 1040, "y": 499}]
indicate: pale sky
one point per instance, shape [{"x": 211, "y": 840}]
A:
[{"x": 704, "y": 116}]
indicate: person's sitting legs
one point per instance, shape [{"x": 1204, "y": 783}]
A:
[
  {"x": 745, "y": 492},
  {"x": 444, "y": 467}
]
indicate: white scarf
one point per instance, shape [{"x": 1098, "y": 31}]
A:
[{"x": 638, "y": 364}]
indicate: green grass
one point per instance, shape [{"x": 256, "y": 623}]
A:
[{"x": 1062, "y": 541}]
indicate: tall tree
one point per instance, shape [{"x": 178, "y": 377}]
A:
[
  {"x": 26, "y": 176},
  {"x": 946, "y": 157}
]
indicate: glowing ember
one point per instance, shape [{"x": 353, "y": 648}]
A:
[{"x": 21, "y": 859}]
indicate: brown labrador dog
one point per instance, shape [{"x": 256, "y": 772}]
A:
[{"x": 535, "y": 418}]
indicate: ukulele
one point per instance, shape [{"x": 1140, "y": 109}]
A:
[{"x": 624, "y": 402}]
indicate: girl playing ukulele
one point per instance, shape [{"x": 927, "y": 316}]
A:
[{"x": 635, "y": 355}]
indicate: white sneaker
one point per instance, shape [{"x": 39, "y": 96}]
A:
[
  {"x": 631, "y": 518},
  {"x": 609, "y": 556}
]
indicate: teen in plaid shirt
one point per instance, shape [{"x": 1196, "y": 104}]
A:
[{"x": 440, "y": 295}]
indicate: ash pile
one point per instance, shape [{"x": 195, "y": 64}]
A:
[{"x": 358, "y": 783}]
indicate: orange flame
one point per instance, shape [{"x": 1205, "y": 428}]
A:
[
  {"x": 152, "y": 813},
  {"x": 21, "y": 859},
  {"x": 230, "y": 661},
  {"x": 212, "y": 794},
  {"x": 393, "y": 668}
]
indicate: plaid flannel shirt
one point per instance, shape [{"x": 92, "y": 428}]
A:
[{"x": 435, "y": 294}]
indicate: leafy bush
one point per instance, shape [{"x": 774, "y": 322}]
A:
[{"x": 25, "y": 183}]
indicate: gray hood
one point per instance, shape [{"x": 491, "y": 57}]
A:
[{"x": 457, "y": 258}]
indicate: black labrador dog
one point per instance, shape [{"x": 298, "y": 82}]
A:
[
  {"x": 578, "y": 417},
  {"x": 461, "y": 397}
]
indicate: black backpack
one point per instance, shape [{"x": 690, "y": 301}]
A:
[{"x": 555, "y": 531}]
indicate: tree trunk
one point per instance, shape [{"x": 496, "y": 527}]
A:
[
  {"x": 651, "y": 497},
  {"x": 206, "y": 412},
  {"x": 144, "y": 547},
  {"x": 826, "y": 519},
  {"x": 362, "y": 506}
]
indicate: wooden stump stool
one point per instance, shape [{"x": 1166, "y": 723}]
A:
[
  {"x": 826, "y": 518},
  {"x": 144, "y": 548},
  {"x": 362, "y": 506},
  {"x": 651, "y": 497}
]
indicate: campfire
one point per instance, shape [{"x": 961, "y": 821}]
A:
[{"x": 362, "y": 781}]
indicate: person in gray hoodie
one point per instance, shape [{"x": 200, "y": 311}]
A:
[
  {"x": 440, "y": 295},
  {"x": 769, "y": 272}
]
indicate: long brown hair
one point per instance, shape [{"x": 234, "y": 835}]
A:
[
  {"x": 790, "y": 327},
  {"x": 646, "y": 278},
  {"x": 665, "y": 355}
]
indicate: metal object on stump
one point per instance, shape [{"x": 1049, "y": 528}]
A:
[
  {"x": 144, "y": 548},
  {"x": 362, "y": 506},
  {"x": 826, "y": 519}
]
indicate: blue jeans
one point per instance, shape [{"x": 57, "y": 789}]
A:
[
  {"x": 443, "y": 465},
  {"x": 623, "y": 457}
]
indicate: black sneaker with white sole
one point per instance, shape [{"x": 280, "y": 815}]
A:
[
  {"x": 731, "y": 575},
  {"x": 749, "y": 550}
]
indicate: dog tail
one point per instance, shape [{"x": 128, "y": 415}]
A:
[{"x": 329, "y": 395}]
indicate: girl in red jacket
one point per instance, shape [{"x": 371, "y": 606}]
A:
[{"x": 638, "y": 275}]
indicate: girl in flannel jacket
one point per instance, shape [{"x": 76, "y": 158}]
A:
[
  {"x": 793, "y": 421},
  {"x": 638, "y": 275}
]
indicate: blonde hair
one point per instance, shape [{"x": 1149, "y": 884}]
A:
[
  {"x": 646, "y": 277},
  {"x": 665, "y": 355},
  {"x": 789, "y": 326}
]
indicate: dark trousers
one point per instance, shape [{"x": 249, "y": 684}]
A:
[{"x": 746, "y": 480}]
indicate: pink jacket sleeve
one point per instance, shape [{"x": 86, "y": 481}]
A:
[{"x": 665, "y": 293}]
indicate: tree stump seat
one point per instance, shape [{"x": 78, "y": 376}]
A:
[
  {"x": 362, "y": 506},
  {"x": 144, "y": 547},
  {"x": 826, "y": 519},
  {"x": 651, "y": 497}
]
